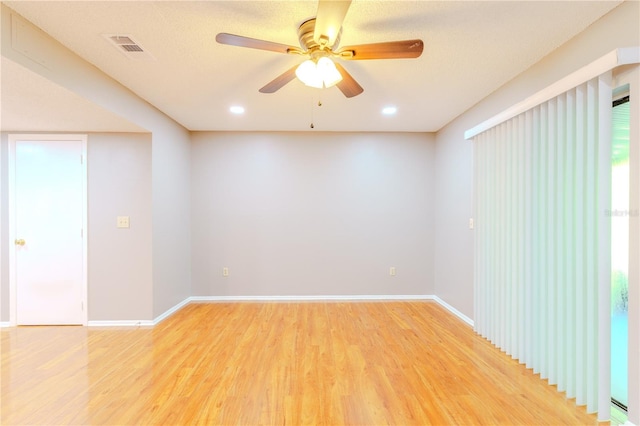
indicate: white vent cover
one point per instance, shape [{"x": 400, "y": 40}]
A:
[{"x": 126, "y": 45}]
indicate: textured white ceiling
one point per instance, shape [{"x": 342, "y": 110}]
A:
[{"x": 471, "y": 49}]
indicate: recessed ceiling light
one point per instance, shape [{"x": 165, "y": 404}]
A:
[
  {"x": 237, "y": 109},
  {"x": 390, "y": 110}
]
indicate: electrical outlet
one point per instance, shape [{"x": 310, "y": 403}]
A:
[
  {"x": 392, "y": 271},
  {"x": 225, "y": 272},
  {"x": 471, "y": 223},
  {"x": 122, "y": 222}
]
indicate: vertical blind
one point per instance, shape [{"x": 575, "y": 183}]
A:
[{"x": 542, "y": 243}]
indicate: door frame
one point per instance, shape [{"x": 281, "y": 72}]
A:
[{"x": 13, "y": 138}]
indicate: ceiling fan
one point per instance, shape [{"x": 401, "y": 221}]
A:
[{"x": 319, "y": 40}]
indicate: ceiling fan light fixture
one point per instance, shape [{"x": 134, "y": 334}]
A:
[
  {"x": 307, "y": 72},
  {"x": 319, "y": 74},
  {"x": 330, "y": 74}
]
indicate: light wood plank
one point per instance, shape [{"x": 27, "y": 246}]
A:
[{"x": 275, "y": 363}]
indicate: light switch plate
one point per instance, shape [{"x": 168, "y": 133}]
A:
[{"x": 122, "y": 222}]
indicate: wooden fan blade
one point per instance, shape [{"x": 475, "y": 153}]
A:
[
  {"x": 280, "y": 81},
  {"x": 389, "y": 50},
  {"x": 348, "y": 86},
  {"x": 254, "y": 43},
  {"x": 329, "y": 20}
]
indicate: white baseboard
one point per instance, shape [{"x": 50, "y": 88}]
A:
[
  {"x": 335, "y": 298},
  {"x": 346, "y": 298},
  {"x": 454, "y": 311},
  {"x": 121, "y": 323},
  {"x": 140, "y": 323},
  {"x": 628, "y": 423},
  {"x": 5, "y": 324},
  {"x": 370, "y": 297},
  {"x": 172, "y": 311}
]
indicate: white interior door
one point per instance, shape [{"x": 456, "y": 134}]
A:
[{"x": 49, "y": 206}]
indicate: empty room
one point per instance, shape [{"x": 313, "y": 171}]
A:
[{"x": 320, "y": 212}]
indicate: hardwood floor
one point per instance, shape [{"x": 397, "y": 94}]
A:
[{"x": 399, "y": 363}]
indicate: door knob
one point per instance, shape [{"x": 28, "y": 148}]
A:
[{"x": 20, "y": 242}]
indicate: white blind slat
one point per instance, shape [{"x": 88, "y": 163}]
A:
[
  {"x": 604, "y": 240},
  {"x": 570, "y": 247}
]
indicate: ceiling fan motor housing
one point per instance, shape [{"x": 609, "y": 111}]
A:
[{"x": 305, "y": 36}]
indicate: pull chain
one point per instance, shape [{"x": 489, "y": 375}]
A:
[
  {"x": 312, "y": 126},
  {"x": 312, "y": 107}
]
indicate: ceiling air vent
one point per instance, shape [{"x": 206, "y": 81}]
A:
[{"x": 128, "y": 47}]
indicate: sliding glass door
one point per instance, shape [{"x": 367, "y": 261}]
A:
[{"x": 620, "y": 251}]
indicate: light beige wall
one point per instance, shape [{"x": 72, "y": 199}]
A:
[
  {"x": 119, "y": 260},
  {"x": 312, "y": 213},
  {"x": 171, "y": 181}
]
